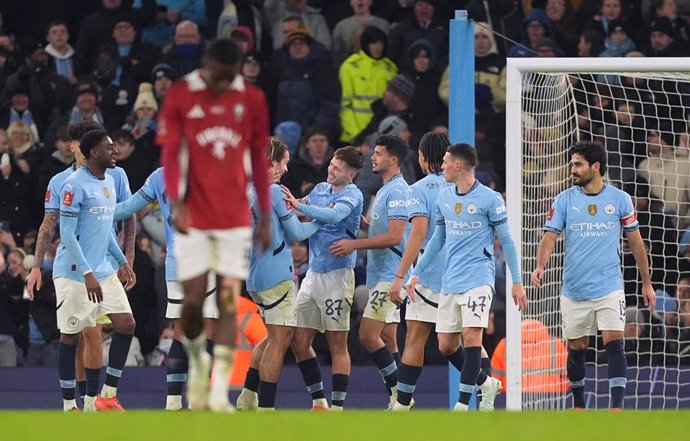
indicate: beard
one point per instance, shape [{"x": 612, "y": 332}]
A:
[{"x": 582, "y": 180}]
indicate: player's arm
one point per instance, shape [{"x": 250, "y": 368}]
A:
[
  {"x": 513, "y": 260},
  {"x": 298, "y": 231},
  {"x": 45, "y": 235},
  {"x": 327, "y": 215},
  {"x": 391, "y": 238},
  {"x": 68, "y": 228},
  {"x": 126, "y": 209},
  {"x": 640, "y": 253},
  {"x": 130, "y": 230},
  {"x": 435, "y": 245},
  {"x": 125, "y": 272},
  {"x": 546, "y": 246},
  {"x": 412, "y": 248}
]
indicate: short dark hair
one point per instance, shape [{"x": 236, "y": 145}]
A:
[
  {"x": 224, "y": 51},
  {"x": 395, "y": 146},
  {"x": 91, "y": 140},
  {"x": 56, "y": 23},
  {"x": 123, "y": 135},
  {"x": 77, "y": 130},
  {"x": 275, "y": 149},
  {"x": 592, "y": 152},
  {"x": 465, "y": 152},
  {"x": 350, "y": 155},
  {"x": 433, "y": 146}
]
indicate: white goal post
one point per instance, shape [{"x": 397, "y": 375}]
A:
[{"x": 541, "y": 99}]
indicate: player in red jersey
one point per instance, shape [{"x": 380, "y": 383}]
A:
[{"x": 209, "y": 119}]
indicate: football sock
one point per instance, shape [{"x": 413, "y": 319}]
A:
[
  {"x": 66, "y": 356},
  {"x": 386, "y": 364},
  {"x": 486, "y": 366},
  {"x": 339, "y": 392},
  {"x": 119, "y": 348},
  {"x": 470, "y": 371},
  {"x": 251, "y": 380},
  {"x": 267, "y": 395},
  {"x": 457, "y": 358},
  {"x": 93, "y": 381},
  {"x": 222, "y": 365},
  {"x": 407, "y": 381},
  {"x": 177, "y": 367},
  {"x": 576, "y": 375},
  {"x": 81, "y": 387},
  {"x": 209, "y": 347},
  {"x": 311, "y": 374},
  {"x": 617, "y": 365}
]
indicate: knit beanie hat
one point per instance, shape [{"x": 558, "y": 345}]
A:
[
  {"x": 403, "y": 87},
  {"x": 145, "y": 97}
]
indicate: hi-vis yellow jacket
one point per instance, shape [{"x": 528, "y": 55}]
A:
[{"x": 363, "y": 81}]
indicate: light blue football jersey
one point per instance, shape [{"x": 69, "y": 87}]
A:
[
  {"x": 320, "y": 259},
  {"x": 92, "y": 201},
  {"x": 422, "y": 197},
  {"x": 592, "y": 225},
  {"x": 275, "y": 265},
  {"x": 469, "y": 220},
  {"x": 53, "y": 193},
  {"x": 390, "y": 203},
  {"x": 122, "y": 193}
]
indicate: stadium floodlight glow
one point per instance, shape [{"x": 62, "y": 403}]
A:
[{"x": 552, "y": 103}]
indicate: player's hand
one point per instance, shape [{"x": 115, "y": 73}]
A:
[
  {"x": 181, "y": 217},
  {"x": 289, "y": 198},
  {"x": 93, "y": 288},
  {"x": 519, "y": 296},
  {"x": 262, "y": 232},
  {"x": 127, "y": 276},
  {"x": 537, "y": 274},
  {"x": 649, "y": 296},
  {"x": 35, "y": 279},
  {"x": 411, "y": 285},
  {"x": 342, "y": 248},
  {"x": 396, "y": 292}
]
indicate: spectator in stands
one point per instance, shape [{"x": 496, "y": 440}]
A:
[
  {"x": 252, "y": 69},
  {"x": 591, "y": 44},
  {"x": 13, "y": 311},
  {"x": 345, "y": 30},
  {"x": 290, "y": 132},
  {"x": 546, "y": 47},
  {"x": 662, "y": 42},
  {"x": 97, "y": 28},
  {"x": 162, "y": 77},
  {"x": 114, "y": 98},
  {"x": 536, "y": 26},
  {"x": 667, "y": 169},
  {"x": 618, "y": 43},
  {"x": 223, "y": 16},
  {"x": 669, "y": 9},
  {"x": 184, "y": 54},
  {"x": 60, "y": 52},
  {"x": 310, "y": 166},
  {"x": 168, "y": 14},
  {"x": 306, "y": 87},
  {"x": 43, "y": 334},
  {"x": 505, "y": 18},
  {"x": 609, "y": 11},
  {"x": 19, "y": 108},
  {"x": 564, "y": 25},
  {"x": 423, "y": 23},
  {"x": 395, "y": 102},
  {"x": 134, "y": 356},
  {"x": 364, "y": 77},
  {"x": 244, "y": 38},
  {"x": 60, "y": 159},
  {"x": 136, "y": 58},
  {"x": 24, "y": 147},
  {"x": 277, "y": 10}
]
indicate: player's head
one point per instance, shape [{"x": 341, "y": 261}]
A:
[
  {"x": 587, "y": 162},
  {"x": 278, "y": 156},
  {"x": 346, "y": 163},
  {"x": 389, "y": 153},
  {"x": 96, "y": 146},
  {"x": 459, "y": 159},
  {"x": 432, "y": 147},
  {"x": 222, "y": 61},
  {"x": 79, "y": 129}
]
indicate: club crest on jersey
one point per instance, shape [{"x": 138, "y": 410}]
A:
[
  {"x": 609, "y": 209},
  {"x": 106, "y": 193},
  {"x": 472, "y": 208},
  {"x": 238, "y": 110},
  {"x": 67, "y": 198},
  {"x": 592, "y": 209},
  {"x": 458, "y": 207}
]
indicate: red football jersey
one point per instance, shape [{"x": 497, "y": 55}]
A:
[{"x": 204, "y": 137}]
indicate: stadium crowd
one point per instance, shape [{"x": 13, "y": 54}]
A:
[{"x": 335, "y": 73}]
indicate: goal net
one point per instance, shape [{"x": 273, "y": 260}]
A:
[{"x": 639, "y": 109}]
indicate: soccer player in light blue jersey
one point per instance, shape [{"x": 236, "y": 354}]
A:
[
  {"x": 177, "y": 364},
  {"x": 468, "y": 217},
  {"x": 377, "y": 331},
  {"x": 86, "y": 284},
  {"x": 271, "y": 280},
  {"x": 591, "y": 215},
  {"x": 89, "y": 349},
  {"x": 325, "y": 296}
]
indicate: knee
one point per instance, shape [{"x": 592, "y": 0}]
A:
[
  {"x": 125, "y": 325},
  {"x": 70, "y": 339},
  {"x": 282, "y": 336},
  {"x": 578, "y": 345},
  {"x": 369, "y": 341},
  {"x": 447, "y": 348}
]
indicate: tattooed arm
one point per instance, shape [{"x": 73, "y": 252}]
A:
[{"x": 45, "y": 237}]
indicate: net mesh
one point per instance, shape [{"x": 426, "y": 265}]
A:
[{"x": 642, "y": 120}]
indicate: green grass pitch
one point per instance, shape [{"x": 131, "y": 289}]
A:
[{"x": 351, "y": 425}]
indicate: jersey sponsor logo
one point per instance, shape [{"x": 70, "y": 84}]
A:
[
  {"x": 472, "y": 208},
  {"x": 67, "y": 198},
  {"x": 609, "y": 209},
  {"x": 461, "y": 228},
  {"x": 196, "y": 112},
  {"x": 592, "y": 209},
  {"x": 458, "y": 207},
  {"x": 238, "y": 111},
  {"x": 219, "y": 137},
  {"x": 106, "y": 192},
  {"x": 592, "y": 229},
  {"x": 47, "y": 195},
  {"x": 549, "y": 215},
  {"x": 629, "y": 219},
  {"x": 349, "y": 199},
  {"x": 396, "y": 204},
  {"x": 501, "y": 209}
]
